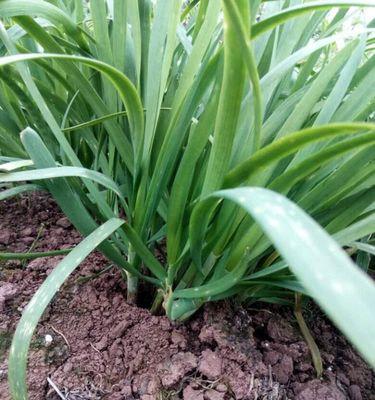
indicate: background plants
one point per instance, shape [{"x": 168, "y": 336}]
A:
[{"x": 205, "y": 125}]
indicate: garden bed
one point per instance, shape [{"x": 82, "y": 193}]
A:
[{"x": 103, "y": 348}]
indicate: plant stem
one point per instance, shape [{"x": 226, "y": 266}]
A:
[
  {"x": 132, "y": 281},
  {"x": 314, "y": 350},
  {"x": 31, "y": 256},
  {"x": 132, "y": 288},
  {"x": 157, "y": 302}
]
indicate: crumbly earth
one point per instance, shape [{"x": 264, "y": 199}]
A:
[{"x": 103, "y": 348}]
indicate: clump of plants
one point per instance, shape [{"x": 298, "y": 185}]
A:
[{"x": 238, "y": 133}]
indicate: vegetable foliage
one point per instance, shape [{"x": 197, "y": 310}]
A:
[{"x": 211, "y": 124}]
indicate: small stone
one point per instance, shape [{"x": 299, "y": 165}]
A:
[
  {"x": 59, "y": 232},
  {"x": 165, "y": 325},
  {"x": 206, "y": 335},
  {"x": 127, "y": 391},
  {"x": 191, "y": 394},
  {"x": 120, "y": 329},
  {"x": 210, "y": 364},
  {"x": 153, "y": 385},
  {"x": 343, "y": 378},
  {"x": 43, "y": 216},
  {"x": 26, "y": 232},
  {"x": 102, "y": 344},
  {"x": 7, "y": 292},
  {"x": 280, "y": 330},
  {"x": 67, "y": 367},
  {"x": 212, "y": 394},
  {"x": 117, "y": 300},
  {"x": 178, "y": 339},
  {"x": 5, "y": 237},
  {"x": 37, "y": 265},
  {"x": 304, "y": 366},
  {"x": 271, "y": 357},
  {"x": 239, "y": 383},
  {"x": 221, "y": 388},
  {"x": 3, "y": 374},
  {"x": 303, "y": 377},
  {"x": 63, "y": 222},
  {"x": 283, "y": 370},
  {"x": 27, "y": 240},
  {"x": 48, "y": 339},
  {"x": 172, "y": 371},
  {"x": 355, "y": 392},
  {"x": 316, "y": 389}
]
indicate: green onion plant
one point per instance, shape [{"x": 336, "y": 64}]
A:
[{"x": 236, "y": 132}]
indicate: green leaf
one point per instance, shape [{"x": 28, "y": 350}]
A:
[
  {"x": 288, "y": 145},
  {"x": 126, "y": 89},
  {"x": 229, "y": 103},
  {"x": 59, "y": 172},
  {"x": 357, "y": 230},
  {"x": 326, "y": 272},
  {"x": 244, "y": 39},
  {"x": 368, "y": 248},
  {"x": 292, "y": 12},
  {"x": 16, "y": 164},
  {"x": 32, "y": 255},
  {"x": 41, "y": 299},
  {"x": 11, "y": 8},
  {"x": 5, "y": 194}
]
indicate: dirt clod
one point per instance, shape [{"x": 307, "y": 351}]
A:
[
  {"x": 355, "y": 392},
  {"x": 283, "y": 370},
  {"x": 7, "y": 292},
  {"x": 213, "y": 395},
  {"x": 192, "y": 394},
  {"x": 210, "y": 365},
  {"x": 5, "y": 237},
  {"x": 63, "y": 222},
  {"x": 172, "y": 371},
  {"x": 319, "y": 390}
]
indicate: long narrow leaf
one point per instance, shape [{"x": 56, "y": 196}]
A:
[
  {"x": 323, "y": 268},
  {"x": 41, "y": 299}
]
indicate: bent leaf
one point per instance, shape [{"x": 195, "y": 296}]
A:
[
  {"x": 322, "y": 267},
  {"x": 41, "y": 299}
]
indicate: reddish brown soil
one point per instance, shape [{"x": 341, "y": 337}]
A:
[{"x": 103, "y": 348}]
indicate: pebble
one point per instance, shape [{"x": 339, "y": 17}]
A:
[
  {"x": 5, "y": 237},
  {"x": 190, "y": 393},
  {"x": 26, "y": 232},
  {"x": 221, "y": 388},
  {"x": 210, "y": 364},
  {"x": 212, "y": 394},
  {"x": 63, "y": 222},
  {"x": 355, "y": 392},
  {"x": 7, "y": 292},
  {"x": 48, "y": 339},
  {"x": 27, "y": 240},
  {"x": 283, "y": 370}
]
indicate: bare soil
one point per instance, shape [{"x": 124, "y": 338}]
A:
[{"x": 103, "y": 348}]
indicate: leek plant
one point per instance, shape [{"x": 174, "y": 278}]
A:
[{"x": 238, "y": 132}]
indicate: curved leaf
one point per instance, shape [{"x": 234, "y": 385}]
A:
[
  {"x": 41, "y": 299},
  {"x": 5, "y": 194},
  {"x": 60, "y": 172},
  {"x": 325, "y": 270},
  {"x": 288, "y": 145},
  {"x": 292, "y": 12},
  {"x": 13, "y": 8},
  {"x": 126, "y": 89}
]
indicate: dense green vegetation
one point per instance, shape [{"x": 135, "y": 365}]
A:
[{"x": 224, "y": 128}]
